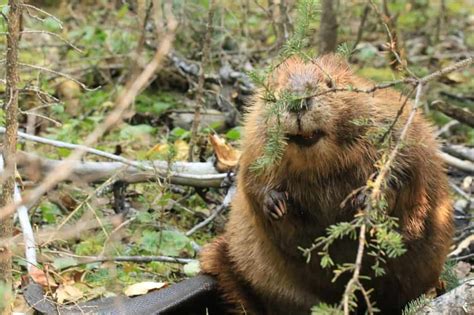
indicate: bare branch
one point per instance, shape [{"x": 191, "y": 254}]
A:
[
  {"x": 54, "y": 35},
  {"x": 200, "y": 88},
  {"x": 195, "y": 174},
  {"x": 58, "y": 73},
  {"x": 225, "y": 204},
  {"x": 81, "y": 260},
  {"x": 32, "y": 7}
]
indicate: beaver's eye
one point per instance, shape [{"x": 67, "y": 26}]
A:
[{"x": 330, "y": 83}]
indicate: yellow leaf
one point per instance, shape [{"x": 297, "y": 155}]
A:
[
  {"x": 68, "y": 293},
  {"x": 227, "y": 157},
  {"x": 456, "y": 77},
  {"x": 143, "y": 288}
]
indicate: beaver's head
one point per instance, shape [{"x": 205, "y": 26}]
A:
[{"x": 321, "y": 122}]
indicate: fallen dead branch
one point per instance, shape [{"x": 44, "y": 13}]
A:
[
  {"x": 459, "y": 151},
  {"x": 458, "y": 163},
  {"x": 463, "y": 115},
  {"x": 81, "y": 260},
  {"x": 196, "y": 174},
  {"x": 71, "y": 146}
]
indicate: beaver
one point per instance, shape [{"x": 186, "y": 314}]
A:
[{"x": 328, "y": 155}]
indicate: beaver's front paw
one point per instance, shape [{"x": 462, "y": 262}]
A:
[{"x": 275, "y": 204}]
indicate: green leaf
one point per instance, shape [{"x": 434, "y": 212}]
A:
[
  {"x": 145, "y": 217},
  {"x": 173, "y": 243},
  {"x": 135, "y": 132},
  {"x": 49, "y": 212},
  {"x": 5, "y": 10},
  {"x": 52, "y": 24},
  {"x": 191, "y": 269},
  {"x": 90, "y": 246},
  {"x": 64, "y": 262},
  {"x": 149, "y": 241},
  {"x": 2, "y": 117},
  {"x": 57, "y": 108},
  {"x": 234, "y": 133},
  {"x": 326, "y": 261},
  {"x": 325, "y": 309},
  {"x": 179, "y": 133},
  {"x": 160, "y": 107},
  {"x": 169, "y": 243},
  {"x": 122, "y": 11}
]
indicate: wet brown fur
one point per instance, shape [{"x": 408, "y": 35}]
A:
[{"x": 256, "y": 261}]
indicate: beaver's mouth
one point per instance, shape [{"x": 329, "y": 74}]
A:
[{"x": 306, "y": 139}]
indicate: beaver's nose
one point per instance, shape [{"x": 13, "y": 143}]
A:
[{"x": 301, "y": 105}]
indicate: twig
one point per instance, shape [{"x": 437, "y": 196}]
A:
[
  {"x": 462, "y": 115},
  {"x": 374, "y": 197},
  {"x": 54, "y": 35},
  {"x": 464, "y": 244},
  {"x": 200, "y": 88},
  {"x": 468, "y": 256},
  {"x": 29, "y": 6},
  {"x": 393, "y": 37},
  {"x": 413, "y": 81},
  {"x": 454, "y": 67},
  {"x": 360, "y": 31},
  {"x": 225, "y": 204},
  {"x": 458, "y": 163},
  {"x": 459, "y": 151},
  {"x": 29, "y": 113},
  {"x": 138, "y": 259},
  {"x": 385, "y": 170},
  {"x": 27, "y": 230},
  {"x": 445, "y": 128},
  {"x": 58, "y": 73},
  {"x": 460, "y": 192},
  {"x": 85, "y": 149},
  {"x": 354, "y": 281}
]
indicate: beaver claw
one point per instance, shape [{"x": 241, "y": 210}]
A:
[{"x": 275, "y": 204}]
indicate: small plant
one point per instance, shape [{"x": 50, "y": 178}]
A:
[
  {"x": 415, "y": 306},
  {"x": 448, "y": 275}
]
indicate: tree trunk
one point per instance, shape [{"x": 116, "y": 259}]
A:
[
  {"x": 9, "y": 139},
  {"x": 328, "y": 27}
]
